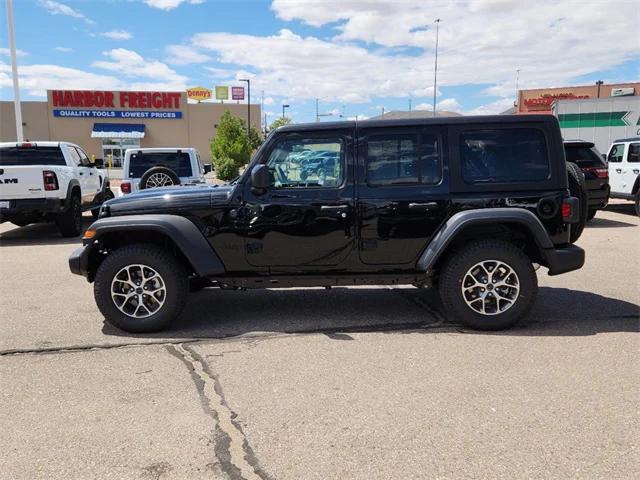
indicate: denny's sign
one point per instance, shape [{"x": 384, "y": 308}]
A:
[{"x": 199, "y": 93}]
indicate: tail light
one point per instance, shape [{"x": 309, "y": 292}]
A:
[
  {"x": 50, "y": 180},
  {"x": 570, "y": 210},
  {"x": 125, "y": 187},
  {"x": 597, "y": 171},
  {"x": 566, "y": 211}
]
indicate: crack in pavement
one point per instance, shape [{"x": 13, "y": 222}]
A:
[
  {"x": 94, "y": 346},
  {"x": 232, "y": 449}
]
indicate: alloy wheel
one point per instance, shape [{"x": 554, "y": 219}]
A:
[
  {"x": 138, "y": 291},
  {"x": 490, "y": 287}
]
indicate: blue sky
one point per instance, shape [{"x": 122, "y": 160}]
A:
[{"x": 357, "y": 56}]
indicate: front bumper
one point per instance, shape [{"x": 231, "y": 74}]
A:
[
  {"x": 565, "y": 259},
  {"x": 79, "y": 262}
]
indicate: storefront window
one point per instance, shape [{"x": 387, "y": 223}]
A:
[{"x": 113, "y": 149}]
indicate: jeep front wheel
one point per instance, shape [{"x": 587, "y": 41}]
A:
[
  {"x": 141, "y": 288},
  {"x": 488, "y": 285}
]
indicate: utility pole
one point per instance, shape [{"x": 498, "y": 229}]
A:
[
  {"x": 264, "y": 130},
  {"x": 317, "y": 113},
  {"x": 599, "y": 84},
  {"x": 435, "y": 70},
  {"x": 409, "y": 103},
  {"x": 283, "y": 107},
  {"x": 248, "y": 103},
  {"x": 515, "y": 104},
  {"x": 14, "y": 72}
]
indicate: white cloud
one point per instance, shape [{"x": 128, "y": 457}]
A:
[
  {"x": 184, "y": 55},
  {"x": 19, "y": 53},
  {"x": 269, "y": 101},
  {"x": 481, "y": 41},
  {"x": 58, "y": 8},
  {"x": 63, "y": 49},
  {"x": 492, "y": 108},
  {"x": 131, "y": 64},
  {"x": 118, "y": 34},
  {"x": 170, "y": 4},
  {"x": 37, "y": 79}
]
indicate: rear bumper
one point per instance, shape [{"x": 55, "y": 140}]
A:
[
  {"x": 565, "y": 259},
  {"x": 31, "y": 206},
  {"x": 597, "y": 195}
]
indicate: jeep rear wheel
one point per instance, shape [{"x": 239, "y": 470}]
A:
[
  {"x": 488, "y": 285},
  {"x": 578, "y": 189},
  {"x": 141, "y": 288}
]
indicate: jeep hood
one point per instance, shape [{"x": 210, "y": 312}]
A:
[{"x": 168, "y": 199}]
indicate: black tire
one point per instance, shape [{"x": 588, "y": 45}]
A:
[
  {"x": 455, "y": 270},
  {"x": 166, "y": 265},
  {"x": 638, "y": 203},
  {"x": 108, "y": 195},
  {"x": 69, "y": 222},
  {"x": 591, "y": 214},
  {"x": 578, "y": 189},
  {"x": 144, "y": 180}
]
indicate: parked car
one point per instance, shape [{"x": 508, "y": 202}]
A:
[
  {"x": 624, "y": 170},
  {"x": 50, "y": 181},
  {"x": 590, "y": 161},
  {"x": 482, "y": 202},
  {"x": 161, "y": 167}
]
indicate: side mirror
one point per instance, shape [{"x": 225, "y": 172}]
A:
[
  {"x": 98, "y": 163},
  {"x": 260, "y": 178},
  {"x": 208, "y": 168}
]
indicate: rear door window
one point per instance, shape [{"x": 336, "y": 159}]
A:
[
  {"x": 634, "y": 153},
  {"x": 403, "y": 158},
  {"x": 616, "y": 153},
  {"x": 503, "y": 156},
  {"x": 23, "y": 156},
  {"x": 179, "y": 162}
]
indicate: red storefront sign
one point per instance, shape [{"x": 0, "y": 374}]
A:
[
  {"x": 237, "y": 93},
  {"x": 546, "y": 100},
  {"x": 107, "y": 99}
]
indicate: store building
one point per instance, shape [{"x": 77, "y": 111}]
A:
[
  {"x": 541, "y": 100},
  {"x": 105, "y": 123}
]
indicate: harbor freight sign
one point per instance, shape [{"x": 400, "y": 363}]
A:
[{"x": 140, "y": 114}]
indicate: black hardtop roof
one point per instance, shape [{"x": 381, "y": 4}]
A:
[
  {"x": 469, "y": 120},
  {"x": 579, "y": 143}
]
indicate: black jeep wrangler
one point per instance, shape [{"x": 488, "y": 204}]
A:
[{"x": 469, "y": 205}]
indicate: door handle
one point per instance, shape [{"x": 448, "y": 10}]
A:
[
  {"x": 423, "y": 206},
  {"x": 618, "y": 170},
  {"x": 333, "y": 208},
  {"x": 80, "y": 173},
  {"x": 90, "y": 173},
  {"x": 636, "y": 171}
]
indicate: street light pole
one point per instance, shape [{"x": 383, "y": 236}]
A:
[
  {"x": 599, "y": 83},
  {"x": 14, "y": 72},
  {"x": 435, "y": 70},
  {"x": 248, "y": 103},
  {"x": 283, "y": 107},
  {"x": 317, "y": 113}
]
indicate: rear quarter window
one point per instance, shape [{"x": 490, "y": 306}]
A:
[
  {"x": 24, "y": 156},
  {"x": 504, "y": 155},
  {"x": 180, "y": 163},
  {"x": 583, "y": 156}
]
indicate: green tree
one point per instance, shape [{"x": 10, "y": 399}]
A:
[
  {"x": 280, "y": 121},
  {"x": 255, "y": 139},
  {"x": 231, "y": 147}
]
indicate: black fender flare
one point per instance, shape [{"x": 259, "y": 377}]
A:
[
  {"x": 72, "y": 184},
  {"x": 186, "y": 236},
  {"x": 461, "y": 220}
]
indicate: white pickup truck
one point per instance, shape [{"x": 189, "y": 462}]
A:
[{"x": 49, "y": 181}]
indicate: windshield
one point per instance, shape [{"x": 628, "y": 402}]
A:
[
  {"x": 583, "y": 156},
  {"x": 22, "y": 156},
  {"x": 179, "y": 162}
]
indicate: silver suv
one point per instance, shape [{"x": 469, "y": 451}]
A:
[{"x": 145, "y": 168}]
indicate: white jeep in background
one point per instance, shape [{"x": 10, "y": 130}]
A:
[
  {"x": 50, "y": 181},
  {"x": 624, "y": 170},
  {"x": 145, "y": 168}
]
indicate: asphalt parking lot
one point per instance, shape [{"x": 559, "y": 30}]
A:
[{"x": 360, "y": 383}]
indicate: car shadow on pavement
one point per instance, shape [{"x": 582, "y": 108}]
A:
[
  {"x": 607, "y": 223},
  {"x": 39, "y": 234},
  {"x": 627, "y": 208},
  {"x": 217, "y": 314}
]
